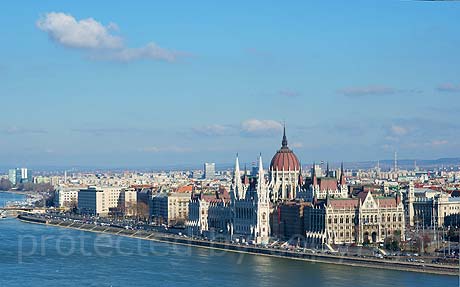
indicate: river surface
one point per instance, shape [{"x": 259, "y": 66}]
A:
[{"x": 39, "y": 255}]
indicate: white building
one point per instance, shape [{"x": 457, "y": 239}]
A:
[
  {"x": 66, "y": 197},
  {"x": 170, "y": 208},
  {"x": 104, "y": 200}
]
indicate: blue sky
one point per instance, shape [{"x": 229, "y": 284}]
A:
[{"x": 154, "y": 83}]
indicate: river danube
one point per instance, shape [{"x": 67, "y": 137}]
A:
[{"x": 38, "y": 255}]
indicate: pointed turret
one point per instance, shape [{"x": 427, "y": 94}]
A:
[
  {"x": 300, "y": 180},
  {"x": 261, "y": 167},
  {"x": 343, "y": 181},
  {"x": 284, "y": 143},
  {"x": 262, "y": 191},
  {"x": 237, "y": 187},
  {"x": 314, "y": 179},
  {"x": 236, "y": 173}
]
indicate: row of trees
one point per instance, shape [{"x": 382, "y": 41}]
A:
[{"x": 5, "y": 184}]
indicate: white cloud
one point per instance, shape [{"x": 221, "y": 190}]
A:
[
  {"x": 255, "y": 127},
  {"x": 289, "y": 93},
  {"x": 214, "y": 130},
  {"x": 86, "y": 33},
  {"x": 14, "y": 130},
  {"x": 374, "y": 91},
  {"x": 297, "y": 145},
  {"x": 366, "y": 91},
  {"x": 439, "y": 142},
  {"x": 149, "y": 51},
  {"x": 168, "y": 149},
  {"x": 399, "y": 130},
  {"x": 449, "y": 88},
  {"x": 102, "y": 44}
]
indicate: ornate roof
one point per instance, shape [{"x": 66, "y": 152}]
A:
[{"x": 284, "y": 159}]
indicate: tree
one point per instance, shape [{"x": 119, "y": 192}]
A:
[
  {"x": 5, "y": 184},
  {"x": 143, "y": 210}
]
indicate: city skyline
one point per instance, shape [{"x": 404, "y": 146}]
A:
[{"x": 132, "y": 91}]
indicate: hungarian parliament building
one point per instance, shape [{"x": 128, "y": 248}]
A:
[{"x": 318, "y": 209}]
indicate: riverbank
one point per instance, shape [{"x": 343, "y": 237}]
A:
[
  {"x": 15, "y": 192},
  {"x": 319, "y": 258}
]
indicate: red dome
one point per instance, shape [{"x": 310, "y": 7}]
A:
[{"x": 284, "y": 159}]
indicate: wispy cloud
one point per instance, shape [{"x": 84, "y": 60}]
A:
[
  {"x": 289, "y": 93},
  {"x": 373, "y": 91},
  {"x": 250, "y": 127},
  {"x": 448, "y": 88},
  {"x": 399, "y": 130},
  {"x": 255, "y": 127},
  {"x": 258, "y": 53},
  {"x": 215, "y": 130},
  {"x": 436, "y": 143},
  {"x": 297, "y": 145},
  {"x": 101, "y": 131},
  {"x": 165, "y": 149},
  {"x": 14, "y": 130},
  {"x": 99, "y": 40}
]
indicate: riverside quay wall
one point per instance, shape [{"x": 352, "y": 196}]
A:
[{"x": 253, "y": 250}]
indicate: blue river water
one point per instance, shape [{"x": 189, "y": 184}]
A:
[{"x": 38, "y": 255}]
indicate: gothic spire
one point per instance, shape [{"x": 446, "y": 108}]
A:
[
  {"x": 237, "y": 190},
  {"x": 313, "y": 176},
  {"x": 237, "y": 169},
  {"x": 300, "y": 183},
  {"x": 284, "y": 143},
  {"x": 342, "y": 175},
  {"x": 261, "y": 177},
  {"x": 261, "y": 167}
]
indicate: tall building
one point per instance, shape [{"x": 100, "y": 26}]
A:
[
  {"x": 12, "y": 176},
  {"x": 20, "y": 175},
  {"x": 284, "y": 173},
  {"x": 209, "y": 170}
]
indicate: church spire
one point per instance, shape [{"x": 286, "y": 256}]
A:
[
  {"x": 261, "y": 167},
  {"x": 236, "y": 173},
  {"x": 284, "y": 143},
  {"x": 300, "y": 183},
  {"x": 342, "y": 175},
  {"x": 313, "y": 177},
  {"x": 237, "y": 189}
]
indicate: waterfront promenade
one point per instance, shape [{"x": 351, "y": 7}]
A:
[{"x": 249, "y": 249}]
